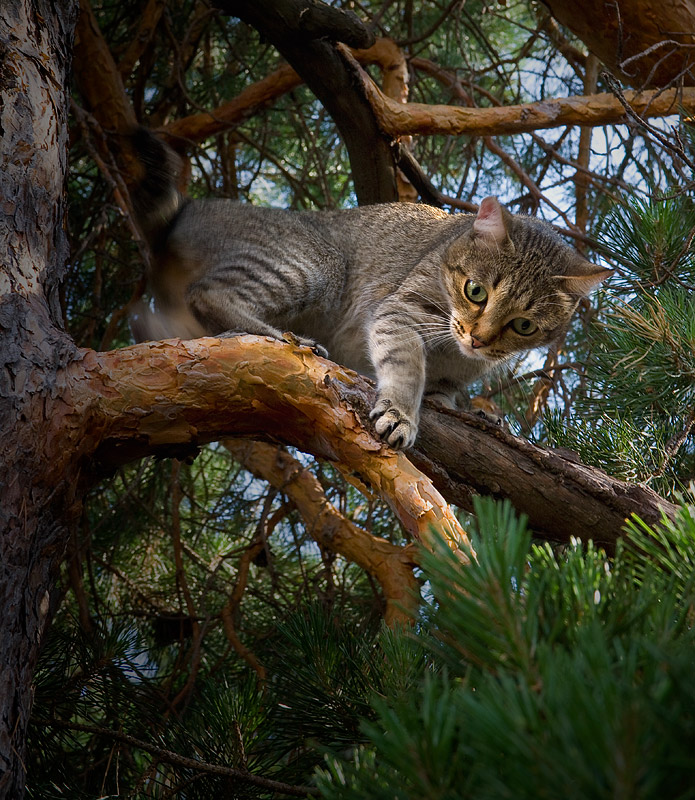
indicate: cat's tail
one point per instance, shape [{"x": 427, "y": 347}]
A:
[{"x": 156, "y": 197}]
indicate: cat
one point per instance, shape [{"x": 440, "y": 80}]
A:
[{"x": 422, "y": 300}]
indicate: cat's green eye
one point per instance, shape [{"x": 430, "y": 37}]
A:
[
  {"x": 475, "y": 292},
  {"x": 524, "y": 326}
]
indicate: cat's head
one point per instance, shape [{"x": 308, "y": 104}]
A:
[{"x": 513, "y": 284}]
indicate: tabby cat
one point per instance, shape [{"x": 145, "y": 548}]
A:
[{"x": 422, "y": 300}]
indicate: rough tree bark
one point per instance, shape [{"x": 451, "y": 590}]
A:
[
  {"x": 644, "y": 42},
  {"x": 276, "y": 392},
  {"x": 37, "y": 484},
  {"x": 170, "y": 397}
]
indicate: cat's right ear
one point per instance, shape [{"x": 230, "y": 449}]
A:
[
  {"x": 489, "y": 222},
  {"x": 582, "y": 277}
]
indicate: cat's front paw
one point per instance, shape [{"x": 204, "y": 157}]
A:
[{"x": 394, "y": 425}]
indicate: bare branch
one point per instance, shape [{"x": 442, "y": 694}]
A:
[
  {"x": 170, "y": 757},
  {"x": 600, "y": 109}
]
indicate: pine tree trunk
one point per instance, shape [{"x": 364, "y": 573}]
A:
[{"x": 35, "y": 48}]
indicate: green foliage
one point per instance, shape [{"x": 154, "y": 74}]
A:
[
  {"x": 634, "y": 416},
  {"x": 533, "y": 672},
  {"x": 651, "y": 238},
  {"x": 138, "y": 645},
  {"x": 560, "y": 675}
]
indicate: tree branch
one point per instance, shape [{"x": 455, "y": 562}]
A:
[
  {"x": 230, "y": 607},
  {"x": 142, "y": 37},
  {"x": 389, "y": 564},
  {"x": 562, "y": 497},
  {"x": 397, "y": 119},
  {"x": 170, "y": 757},
  {"x": 97, "y": 75},
  {"x": 330, "y": 78},
  {"x": 171, "y": 397},
  {"x": 196, "y": 127}
]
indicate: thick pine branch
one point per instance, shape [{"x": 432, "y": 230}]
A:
[
  {"x": 170, "y": 397},
  {"x": 562, "y": 497}
]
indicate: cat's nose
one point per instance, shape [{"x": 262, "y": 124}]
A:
[{"x": 475, "y": 342}]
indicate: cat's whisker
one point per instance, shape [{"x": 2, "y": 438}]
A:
[{"x": 428, "y": 337}]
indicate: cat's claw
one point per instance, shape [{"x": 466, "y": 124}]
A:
[
  {"x": 303, "y": 341},
  {"x": 490, "y": 416},
  {"x": 392, "y": 425},
  {"x": 318, "y": 349}
]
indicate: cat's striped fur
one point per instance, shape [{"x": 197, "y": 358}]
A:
[{"x": 422, "y": 300}]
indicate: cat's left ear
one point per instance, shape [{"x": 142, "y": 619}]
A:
[
  {"x": 490, "y": 221},
  {"x": 582, "y": 277}
]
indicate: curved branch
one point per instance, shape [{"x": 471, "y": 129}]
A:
[
  {"x": 170, "y": 396},
  {"x": 201, "y": 125},
  {"x": 229, "y": 608},
  {"x": 196, "y": 127},
  {"x": 320, "y": 64}
]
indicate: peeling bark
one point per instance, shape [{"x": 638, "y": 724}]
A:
[
  {"x": 164, "y": 396},
  {"x": 168, "y": 396}
]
